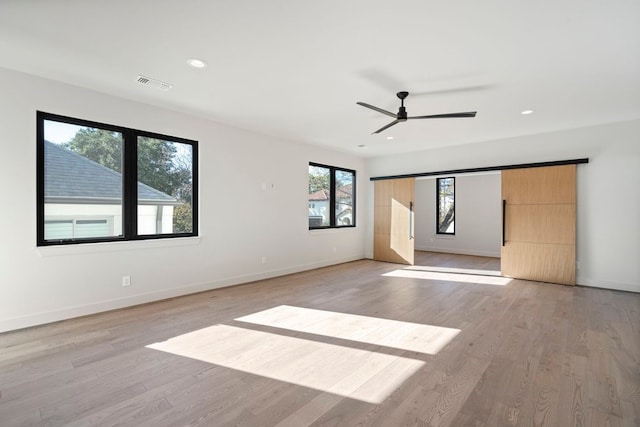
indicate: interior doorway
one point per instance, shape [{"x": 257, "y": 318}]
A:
[
  {"x": 477, "y": 221},
  {"x": 523, "y": 219},
  {"x": 537, "y": 244}
]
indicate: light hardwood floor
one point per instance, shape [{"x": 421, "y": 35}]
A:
[{"x": 362, "y": 343}]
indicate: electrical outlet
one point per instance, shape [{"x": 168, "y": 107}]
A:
[
  {"x": 264, "y": 259},
  {"x": 126, "y": 280}
]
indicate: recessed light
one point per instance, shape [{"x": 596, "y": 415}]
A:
[
  {"x": 389, "y": 137},
  {"x": 196, "y": 63},
  {"x": 526, "y": 112}
]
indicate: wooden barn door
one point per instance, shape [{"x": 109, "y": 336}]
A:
[
  {"x": 393, "y": 220},
  {"x": 539, "y": 224}
]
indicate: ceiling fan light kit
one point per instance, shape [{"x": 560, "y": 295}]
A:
[{"x": 401, "y": 115}]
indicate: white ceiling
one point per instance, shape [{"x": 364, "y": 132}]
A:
[{"x": 296, "y": 68}]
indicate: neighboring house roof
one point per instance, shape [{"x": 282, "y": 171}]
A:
[
  {"x": 344, "y": 192},
  {"x": 72, "y": 178},
  {"x": 319, "y": 195}
]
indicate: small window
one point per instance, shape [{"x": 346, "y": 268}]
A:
[
  {"x": 99, "y": 182},
  {"x": 445, "y": 205},
  {"x": 331, "y": 196}
]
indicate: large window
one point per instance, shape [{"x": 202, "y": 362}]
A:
[
  {"x": 331, "y": 196},
  {"x": 99, "y": 182},
  {"x": 446, "y": 205}
]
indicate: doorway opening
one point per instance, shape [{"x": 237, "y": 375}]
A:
[{"x": 478, "y": 224}]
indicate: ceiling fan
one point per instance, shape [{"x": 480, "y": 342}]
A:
[{"x": 402, "y": 113}]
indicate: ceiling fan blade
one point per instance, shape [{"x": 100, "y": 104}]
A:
[
  {"x": 446, "y": 116},
  {"x": 387, "y": 126},
  {"x": 379, "y": 110}
]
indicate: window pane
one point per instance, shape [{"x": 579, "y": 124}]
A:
[
  {"x": 446, "y": 205},
  {"x": 165, "y": 187},
  {"x": 319, "y": 196},
  {"x": 344, "y": 198},
  {"x": 82, "y": 177}
]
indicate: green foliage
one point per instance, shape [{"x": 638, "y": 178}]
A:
[
  {"x": 160, "y": 165},
  {"x": 156, "y": 168},
  {"x": 182, "y": 218},
  {"x": 343, "y": 178},
  {"x": 318, "y": 179},
  {"x": 101, "y": 146}
]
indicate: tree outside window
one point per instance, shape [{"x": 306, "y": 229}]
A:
[{"x": 445, "y": 203}]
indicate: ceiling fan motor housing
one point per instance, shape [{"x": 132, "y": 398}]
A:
[{"x": 402, "y": 114}]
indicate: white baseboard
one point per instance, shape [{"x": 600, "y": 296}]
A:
[
  {"x": 41, "y": 318},
  {"x": 608, "y": 284},
  {"x": 101, "y": 306}
]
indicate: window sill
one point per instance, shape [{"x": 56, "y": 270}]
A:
[
  {"x": 330, "y": 230},
  {"x": 130, "y": 245},
  {"x": 445, "y": 236}
]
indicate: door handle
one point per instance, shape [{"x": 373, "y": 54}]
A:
[
  {"x": 504, "y": 219},
  {"x": 410, "y": 220}
]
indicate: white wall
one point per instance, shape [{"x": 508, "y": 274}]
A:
[
  {"x": 477, "y": 219},
  {"x": 253, "y": 203},
  {"x": 608, "y": 206}
]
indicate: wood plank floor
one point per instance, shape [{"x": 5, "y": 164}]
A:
[{"x": 362, "y": 343}]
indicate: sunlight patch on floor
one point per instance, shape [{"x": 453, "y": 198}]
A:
[
  {"x": 483, "y": 279},
  {"x": 365, "y": 329},
  {"x": 474, "y": 271},
  {"x": 358, "y": 374}
]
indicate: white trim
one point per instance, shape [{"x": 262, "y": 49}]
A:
[
  {"x": 608, "y": 284},
  {"x": 91, "y": 248},
  {"x": 118, "y": 303},
  {"x": 444, "y": 236},
  {"x": 331, "y": 230}
]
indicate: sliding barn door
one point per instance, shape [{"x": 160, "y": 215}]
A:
[
  {"x": 393, "y": 220},
  {"x": 539, "y": 224}
]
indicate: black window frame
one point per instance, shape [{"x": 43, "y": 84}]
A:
[
  {"x": 129, "y": 182},
  {"x": 332, "y": 197},
  {"x": 445, "y": 233}
]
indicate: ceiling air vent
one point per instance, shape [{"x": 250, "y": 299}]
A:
[{"x": 148, "y": 81}]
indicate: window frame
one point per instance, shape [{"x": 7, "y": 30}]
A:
[
  {"x": 129, "y": 182},
  {"x": 332, "y": 196},
  {"x": 438, "y": 232}
]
